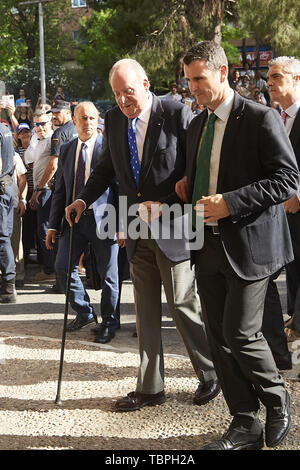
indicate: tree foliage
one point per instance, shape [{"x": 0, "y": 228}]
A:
[
  {"x": 274, "y": 22},
  {"x": 20, "y": 33},
  {"x": 153, "y": 32}
]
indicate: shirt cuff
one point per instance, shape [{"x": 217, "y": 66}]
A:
[{"x": 81, "y": 201}]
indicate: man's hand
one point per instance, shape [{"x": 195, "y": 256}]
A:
[
  {"x": 215, "y": 208},
  {"x": 21, "y": 208},
  {"x": 121, "y": 240},
  {"x": 34, "y": 200},
  {"x": 79, "y": 207},
  {"x": 292, "y": 205},
  {"x": 149, "y": 210},
  {"x": 50, "y": 239},
  {"x": 181, "y": 189}
]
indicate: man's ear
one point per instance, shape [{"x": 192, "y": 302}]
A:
[{"x": 223, "y": 73}]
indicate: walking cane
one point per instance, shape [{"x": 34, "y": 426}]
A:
[{"x": 58, "y": 399}]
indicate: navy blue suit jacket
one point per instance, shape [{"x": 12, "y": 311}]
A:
[
  {"x": 257, "y": 172},
  {"x": 63, "y": 193}
]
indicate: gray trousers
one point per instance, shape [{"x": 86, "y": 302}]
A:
[
  {"x": 233, "y": 312},
  {"x": 149, "y": 269}
]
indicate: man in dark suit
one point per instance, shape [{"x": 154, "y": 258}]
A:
[
  {"x": 77, "y": 160},
  {"x": 144, "y": 148},
  {"x": 240, "y": 167},
  {"x": 284, "y": 87}
]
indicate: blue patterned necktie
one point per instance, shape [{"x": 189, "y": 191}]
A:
[
  {"x": 134, "y": 157},
  {"x": 80, "y": 173}
]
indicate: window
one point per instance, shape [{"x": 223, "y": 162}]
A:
[
  {"x": 77, "y": 38},
  {"x": 78, "y": 3}
]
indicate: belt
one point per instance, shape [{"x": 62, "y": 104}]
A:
[
  {"x": 213, "y": 229},
  {"x": 88, "y": 212}
]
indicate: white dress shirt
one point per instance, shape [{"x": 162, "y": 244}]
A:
[{"x": 222, "y": 112}]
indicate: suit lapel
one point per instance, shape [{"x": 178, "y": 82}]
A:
[
  {"x": 96, "y": 152},
  {"x": 194, "y": 140},
  {"x": 231, "y": 131},
  {"x": 71, "y": 167},
  {"x": 294, "y": 134},
  {"x": 154, "y": 129}
]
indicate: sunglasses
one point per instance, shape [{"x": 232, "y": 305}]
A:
[{"x": 37, "y": 124}]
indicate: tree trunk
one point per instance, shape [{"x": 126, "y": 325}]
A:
[{"x": 216, "y": 10}]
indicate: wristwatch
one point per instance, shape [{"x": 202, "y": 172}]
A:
[{"x": 38, "y": 189}]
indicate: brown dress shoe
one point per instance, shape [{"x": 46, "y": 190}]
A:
[
  {"x": 135, "y": 401},
  {"x": 206, "y": 392}
]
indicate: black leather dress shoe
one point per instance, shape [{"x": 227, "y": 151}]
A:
[
  {"x": 206, "y": 392},
  {"x": 278, "y": 423},
  {"x": 283, "y": 362},
  {"x": 235, "y": 439},
  {"x": 104, "y": 335},
  {"x": 79, "y": 323},
  {"x": 135, "y": 401},
  {"x": 99, "y": 326}
]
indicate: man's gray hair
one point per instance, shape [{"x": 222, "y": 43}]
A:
[
  {"x": 41, "y": 111},
  {"x": 290, "y": 64},
  {"x": 84, "y": 103},
  {"x": 210, "y": 51},
  {"x": 133, "y": 64}
]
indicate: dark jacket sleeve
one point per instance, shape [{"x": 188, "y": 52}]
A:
[
  {"x": 59, "y": 197},
  {"x": 280, "y": 178}
]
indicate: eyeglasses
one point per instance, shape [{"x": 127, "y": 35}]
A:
[{"x": 37, "y": 124}]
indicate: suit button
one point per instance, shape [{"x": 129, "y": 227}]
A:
[{"x": 138, "y": 194}]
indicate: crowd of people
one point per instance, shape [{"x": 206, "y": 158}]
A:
[{"x": 218, "y": 146}]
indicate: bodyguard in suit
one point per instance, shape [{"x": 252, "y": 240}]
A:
[
  {"x": 77, "y": 160},
  {"x": 284, "y": 87},
  {"x": 144, "y": 148},
  {"x": 244, "y": 169}
]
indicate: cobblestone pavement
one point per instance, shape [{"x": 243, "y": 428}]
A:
[{"x": 94, "y": 376}]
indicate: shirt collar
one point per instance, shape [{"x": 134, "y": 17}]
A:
[
  {"x": 144, "y": 116},
  {"x": 224, "y": 109},
  {"x": 292, "y": 110},
  {"x": 90, "y": 142}
]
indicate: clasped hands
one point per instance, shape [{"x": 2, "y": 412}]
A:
[{"x": 211, "y": 207}]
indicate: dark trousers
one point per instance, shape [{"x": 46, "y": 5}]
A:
[
  {"x": 43, "y": 212},
  {"x": 273, "y": 324},
  {"x": 293, "y": 272},
  {"x": 233, "y": 312},
  {"x": 29, "y": 229},
  {"x": 106, "y": 253}
]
